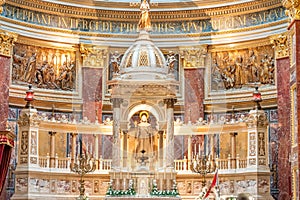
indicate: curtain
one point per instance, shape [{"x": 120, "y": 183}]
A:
[{"x": 6, "y": 144}]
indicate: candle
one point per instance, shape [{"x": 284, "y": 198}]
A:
[
  {"x": 195, "y": 148},
  {"x": 199, "y": 149}
]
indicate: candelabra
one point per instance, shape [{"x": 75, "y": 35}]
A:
[
  {"x": 203, "y": 165},
  {"x": 83, "y": 165}
]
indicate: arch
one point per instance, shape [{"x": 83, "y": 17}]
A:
[{"x": 154, "y": 110}]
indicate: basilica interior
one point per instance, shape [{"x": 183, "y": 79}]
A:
[{"x": 149, "y": 99}]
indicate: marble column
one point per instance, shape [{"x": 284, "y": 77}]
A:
[
  {"x": 233, "y": 150},
  {"x": 7, "y": 40},
  {"x": 170, "y": 132},
  {"x": 116, "y": 152},
  {"x": 160, "y": 148},
  {"x": 94, "y": 60},
  {"x": 52, "y": 149},
  {"x": 190, "y": 151},
  {"x": 125, "y": 150},
  {"x": 73, "y": 152},
  {"x": 194, "y": 69},
  {"x": 281, "y": 161}
]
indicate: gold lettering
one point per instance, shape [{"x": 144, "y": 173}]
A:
[
  {"x": 24, "y": 17},
  {"x": 8, "y": 11},
  {"x": 96, "y": 26},
  {"x": 110, "y": 26},
  {"x": 62, "y": 22},
  {"x": 242, "y": 20},
  {"x": 254, "y": 18},
  {"x": 30, "y": 16},
  {"x": 123, "y": 27},
  {"x": 92, "y": 25},
  {"x": 74, "y": 23},
  {"x": 45, "y": 20},
  {"x": 183, "y": 27},
  {"x": 215, "y": 24},
  {"x": 105, "y": 26},
  {"x": 85, "y": 24},
  {"x": 171, "y": 27},
  {"x": 262, "y": 17}
]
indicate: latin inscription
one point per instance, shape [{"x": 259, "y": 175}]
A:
[{"x": 212, "y": 24}]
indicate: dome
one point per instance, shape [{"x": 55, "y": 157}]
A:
[{"x": 143, "y": 57}]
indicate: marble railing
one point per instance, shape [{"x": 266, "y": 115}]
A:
[
  {"x": 64, "y": 163},
  {"x": 104, "y": 165}
]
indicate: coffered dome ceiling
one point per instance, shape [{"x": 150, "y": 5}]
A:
[{"x": 157, "y": 4}]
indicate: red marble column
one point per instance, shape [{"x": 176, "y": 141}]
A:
[
  {"x": 296, "y": 26},
  {"x": 284, "y": 137},
  {"x": 194, "y": 94},
  {"x": 4, "y": 90},
  {"x": 92, "y": 93},
  {"x": 92, "y": 98}
]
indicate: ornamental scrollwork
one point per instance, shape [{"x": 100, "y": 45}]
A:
[
  {"x": 44, "y": 67},
  {"x": 29, "y": 119},
  {"x": 7, "y": 40}
]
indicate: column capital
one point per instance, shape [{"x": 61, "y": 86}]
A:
[
  {"x": 7, "y": 40},
  {"x": 93, "y": 56},
  {"x": 194, "y": 56},
  {"x": 281, "y": 45},
  {"x": 51, "y": 133},
  {"x": 73, "y": 134},
  {"x": 170, "y": 102},
  {"x": 29, "y": 117},
  {"x": 233, "y": 134},
  {"x": 293, "y": 8},
  {"x": 116, "y": 102},
  {"x": 256, "y": 119},
  {"x": 2, "y": 2}
]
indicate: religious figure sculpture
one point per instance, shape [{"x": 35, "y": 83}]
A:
[
  {"x": 144, "y": 23},
  {"x": 144, "y": 134}
]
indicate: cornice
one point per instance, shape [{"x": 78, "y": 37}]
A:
[{"x": 133, "y": 15}]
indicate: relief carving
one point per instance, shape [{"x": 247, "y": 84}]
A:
[
  {"x": 232, "y": 69},
  {"x": 44, "y": 67},
  {"x": 24, "y": 143}
]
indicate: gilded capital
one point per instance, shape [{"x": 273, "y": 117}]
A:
[
  {"x": 170, "y": 102},
  {"x": 93, "y": 56},
  {"x": 2, "y": 2},
  {"x": 194, "y": 57},
  {"x": 292, "y": 9},
  {"x": 7, "y": 40},
  {"x": 29, "y": 119},
  {"x": 281, "y": 45}
]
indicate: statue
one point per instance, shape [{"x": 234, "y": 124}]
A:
[
  {"x": 144, "y": 23},
  {"x": 144, "y": 135}
]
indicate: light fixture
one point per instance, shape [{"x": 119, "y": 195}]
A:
[{"x": 29, "y": 97}]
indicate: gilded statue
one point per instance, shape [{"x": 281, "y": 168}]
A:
[
  {"x": 145, "y": 23},
  {"x": 144, "y": 135}
]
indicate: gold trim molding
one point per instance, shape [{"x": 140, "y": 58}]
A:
[
  {"x": 7, "y": 40},
  {"x": 281, "y": 45}
]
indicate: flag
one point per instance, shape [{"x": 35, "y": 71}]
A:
[{"x": 213, "y": 184}]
